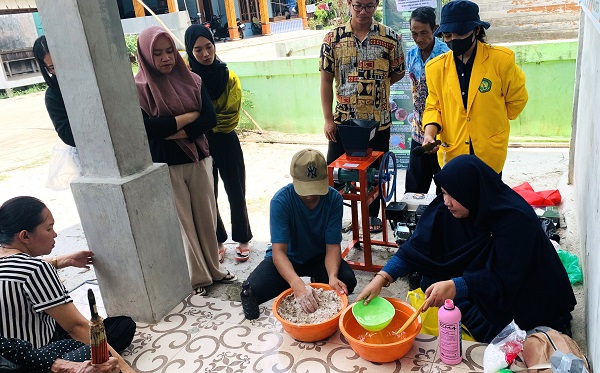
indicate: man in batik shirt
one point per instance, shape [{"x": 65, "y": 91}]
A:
[{"x": 364, "y": 58}]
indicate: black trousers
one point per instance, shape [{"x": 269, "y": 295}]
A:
[
  {"x": 119, "y": 334},
  {"x": 267, "y": 283},
  {"x": 381, "y": 143},
  {"x": 420, "y": 172},
  {"x": 228, "y": 160}
]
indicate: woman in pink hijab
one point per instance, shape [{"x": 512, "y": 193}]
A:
[{"x": 177, "y": 111}]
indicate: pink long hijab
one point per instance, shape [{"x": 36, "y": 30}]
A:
[{"x": 168, "y": 94}]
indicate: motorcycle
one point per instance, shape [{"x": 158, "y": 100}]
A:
[
  {"x": 241, "y": 27},
  {"x": 195, "y": 20},
  {"x": 220, "y": 32}
]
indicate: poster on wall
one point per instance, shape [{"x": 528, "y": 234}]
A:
[
  {"x": 398, "y": 18},
  {"x": 402, "y": 5}
]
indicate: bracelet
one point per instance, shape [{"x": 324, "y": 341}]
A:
[
  {"x": 55, "y": 260},
  {"x": 439, "y": 128},
  {"x": 387, "y": 281}
]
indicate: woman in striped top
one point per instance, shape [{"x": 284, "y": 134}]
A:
[{"x": 36, "y": 306}]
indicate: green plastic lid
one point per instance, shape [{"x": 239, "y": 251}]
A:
[{"x": 374, "y": 316}]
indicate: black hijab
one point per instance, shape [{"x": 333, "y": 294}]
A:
[
  {"x": 508, "y": 263},
  {"x": 40, "y": 50},
  {"x": 215, "y": 76}
]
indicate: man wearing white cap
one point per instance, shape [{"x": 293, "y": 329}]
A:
[{"x": 306, "y": 231}]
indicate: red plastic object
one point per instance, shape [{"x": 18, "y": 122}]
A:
[{"x": 542, "y": 198}]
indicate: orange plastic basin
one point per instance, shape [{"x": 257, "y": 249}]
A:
[
  {"x": 309, "y": 332},
  {"x": 383, "y": 346}
]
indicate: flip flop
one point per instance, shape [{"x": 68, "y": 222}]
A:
[
  {"x": 201, "y": 291},
  {"x": 241, "y": 255},
  {"x": 228, "y": 279},
  {"x": 222, "y": 254},
  {"x": 375, "y": 222}
]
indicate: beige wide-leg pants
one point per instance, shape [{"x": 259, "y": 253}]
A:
[{"x": 197, "y": 210}]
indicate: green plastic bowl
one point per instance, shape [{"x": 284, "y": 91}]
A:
[{"x": 374, "y": 316}]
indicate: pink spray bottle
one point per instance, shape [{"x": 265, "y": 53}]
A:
[{"x": 450, "y": 333}]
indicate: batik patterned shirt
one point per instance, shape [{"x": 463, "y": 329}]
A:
[
  {"x": 362, "y": 71},
  {"x": 416, "y": 72}
]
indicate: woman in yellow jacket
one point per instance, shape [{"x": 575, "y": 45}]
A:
[
  {"x": 473, "y": 90},
  {"x": 225, "y": 91}
]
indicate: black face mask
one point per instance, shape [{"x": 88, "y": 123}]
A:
[{"x": 460, "y": 46}]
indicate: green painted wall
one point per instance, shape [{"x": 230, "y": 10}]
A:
[
  {"x": 285, "y": 92},
  {"x": 550, "y": 72}
]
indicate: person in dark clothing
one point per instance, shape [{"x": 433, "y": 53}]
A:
[
  {"x": 421, "y": 168},
  {"x": 177, "y": 112},
  {"x": 482, "y": 245},
  {"x": 54, "y": 100},
  {"x": 225, "y": 91}
]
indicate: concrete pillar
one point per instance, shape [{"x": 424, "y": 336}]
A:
[
  {"x": 173, "y": 6},
  {"x": 124, "y": 201},
  {"x": 138, "y": 9},
  {"x": 263, "y": 9},
  {"x": 302, "y": 14},
  {"x": 231, "y": 22}
]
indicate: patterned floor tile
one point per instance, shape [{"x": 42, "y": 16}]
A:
[
  {"x": 472, "y": 359},
  {"x": 80, "y": 299},
  {"x": 150, "y": 351},
  {"x": 80, "y": 294},
  {"x": 424, "y": 348},
  {"x": 205, "y": 334},
  {"x": 240, "y": 348},
  {"x": 84, "y": 309},
  {"x": 341, "y": 358}
]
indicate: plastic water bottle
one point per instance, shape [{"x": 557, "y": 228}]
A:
[
  {"x": 450, "y": 333},
  {"x": 249, "y": 302}
]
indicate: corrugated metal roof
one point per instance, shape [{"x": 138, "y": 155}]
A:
[{"x": 17, "y": 6}]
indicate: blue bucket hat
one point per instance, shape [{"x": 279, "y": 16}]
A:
[{"x": 460, "y": 17}]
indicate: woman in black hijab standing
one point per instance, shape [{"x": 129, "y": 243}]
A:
[
  {"x": 226, "y": 93},
  {"x": 480, "y": 244}
]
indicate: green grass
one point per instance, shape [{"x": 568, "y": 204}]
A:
[{"x": 21, "y": 91}]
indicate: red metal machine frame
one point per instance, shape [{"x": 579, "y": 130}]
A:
[{"x": 362, "y": 194}]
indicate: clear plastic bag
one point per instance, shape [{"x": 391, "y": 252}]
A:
[
  {"x": 504, "y": 348},
  {"x": 64, "y": 166}
]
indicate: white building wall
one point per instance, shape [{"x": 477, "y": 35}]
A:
[{"x": 586, "y": 172}]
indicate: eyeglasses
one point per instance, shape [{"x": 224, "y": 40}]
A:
[{"x": 360, "y": 7}]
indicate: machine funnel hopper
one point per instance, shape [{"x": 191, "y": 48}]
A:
[{"x": 357, "y": 136}]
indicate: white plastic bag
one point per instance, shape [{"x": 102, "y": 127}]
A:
[
  {"x": 64, "y": 166},
  {"x": 504, "y": 348}
]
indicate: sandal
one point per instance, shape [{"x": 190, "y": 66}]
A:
[
  {"x": 229, "y": 278},
  {"x": 201, "y": 291},
  {"x": 241, "y": 255},
  {"x": 222, "y": 250},
  {"x": 375, "y": 225}
]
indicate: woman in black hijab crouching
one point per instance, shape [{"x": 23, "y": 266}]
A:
[{"x": 482, "y": 245}]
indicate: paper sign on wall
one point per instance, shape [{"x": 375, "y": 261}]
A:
[{"x": 410, "y": 5}]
